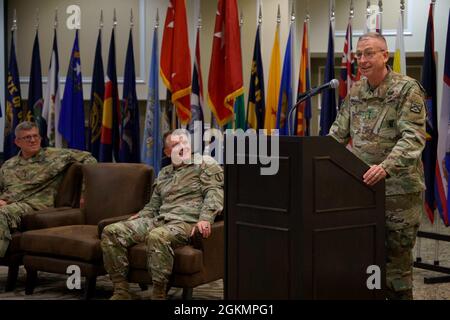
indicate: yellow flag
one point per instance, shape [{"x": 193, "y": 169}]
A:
[
  {"x": 399, "y": 55},
  {"x": 273, "y": 87}
]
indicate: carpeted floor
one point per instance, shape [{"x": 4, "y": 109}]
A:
[{"x": 53, "y": 287}]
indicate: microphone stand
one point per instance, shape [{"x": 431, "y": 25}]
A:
[{"x": 300, "y": 100}]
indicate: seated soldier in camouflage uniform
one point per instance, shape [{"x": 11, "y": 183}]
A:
[
  {"x": 30, "y": 180},
  {"x": 384, "y": 115},
  {"x": 187, "y": 194}
]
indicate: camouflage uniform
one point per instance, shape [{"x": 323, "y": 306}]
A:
[
  {"x": 181, "y": 197},
  {"x": 387, "y": 128},
  {"x": 32, "y": 184}
]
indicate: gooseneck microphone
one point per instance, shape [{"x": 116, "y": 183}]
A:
[{"x": 333, "y": 84}]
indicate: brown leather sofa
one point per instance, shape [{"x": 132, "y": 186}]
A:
[
  {"x": 113, "y": 193},
  {"x": 111, "y": 190},
  {"x": 67, "y": 198}
]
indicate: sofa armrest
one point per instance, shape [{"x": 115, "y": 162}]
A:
[
  {"x": 213, "y": 250},
  {"x": 105, "y": 222},
  {"x": 52, "y": 217}
]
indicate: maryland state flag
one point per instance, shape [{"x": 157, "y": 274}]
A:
[
  {"x": 176, "y": 59},
  {"x": 14, "y": 112},
  {"x": 429, "y": 155},
  {"x": 129, "y": 139},
  {"x": 110, "y": 139},
  {"x": 256, "y": 104},
  {"x": 35, "y": 100},
  {"x": 96, "y": 105},
  {"x": 302, "y": 123},
  {"x": 71, "y": 121},
  {"x": 225, "y": 71}
]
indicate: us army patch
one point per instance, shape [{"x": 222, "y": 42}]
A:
[{"x": 416, "y": 108}]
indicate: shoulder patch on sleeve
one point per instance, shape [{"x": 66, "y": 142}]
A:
[{"x": 416, "y": 108}]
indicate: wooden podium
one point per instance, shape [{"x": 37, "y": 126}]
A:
[{"x": 308, "y": 232}]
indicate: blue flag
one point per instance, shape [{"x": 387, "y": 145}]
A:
[
  {"x": 71, "y": 121},
  {"x": 197, "y": 101},
  {"x": 152, "y": 145},
  {"x": 110, "y": 138},
  {"x": 429, "y": 155},
  {"x": 328, "y": 106},
  {"x": 96, "y": 105},
  {"x": 14, "y": 111},
  {"x": 285, "y": 98},
  {"x": 129, "y": 140},
  {"x": 35, "y": 100},
  {"x": 256, "y": 108}
]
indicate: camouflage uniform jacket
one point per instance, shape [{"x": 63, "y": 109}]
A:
[
  {"x": 35, "y": 181},
  {"x": 387, "y": 128},
  {"x": 191, "y": 193}
]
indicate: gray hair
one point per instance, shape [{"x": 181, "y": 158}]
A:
[
  {"x": 373, "y": 35},
  {"x": 24, "y": 126}
]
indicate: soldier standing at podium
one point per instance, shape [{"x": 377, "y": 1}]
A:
[{"x": 384, "y": 116}]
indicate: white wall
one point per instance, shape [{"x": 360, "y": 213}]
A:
[{"x": 417, "y": 13}]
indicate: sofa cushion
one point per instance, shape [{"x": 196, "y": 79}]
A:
[
  {"x": 77, "y": 241},
  {"x": 14, "y": 245},
  {"x": 187, "y": 259}
]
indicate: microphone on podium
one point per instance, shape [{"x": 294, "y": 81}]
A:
[{"x": 333, "y": 84}]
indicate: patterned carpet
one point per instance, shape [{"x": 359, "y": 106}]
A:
[{"x": 53, "y": 287}]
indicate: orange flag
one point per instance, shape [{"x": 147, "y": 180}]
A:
[
  {"x": 225, "y": 72},
  {"x": 176, "y": 59}
]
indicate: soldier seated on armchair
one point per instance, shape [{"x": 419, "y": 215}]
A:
[
  {"x": 30, "y": 180},
  {"x": 187, "y": 194}
]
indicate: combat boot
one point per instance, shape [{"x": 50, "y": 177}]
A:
[
  {"x": 121, "y": 291},
  {"x": 159, "y": 291}
]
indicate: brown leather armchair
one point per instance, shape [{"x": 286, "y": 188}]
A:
[
  {"x": 199, "y": 262},
  {"x": 111, "y": 190},
  {"x": 67, "y": 198}
]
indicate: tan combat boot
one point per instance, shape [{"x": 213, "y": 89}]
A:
[
  {"x": 159, "y": 291},
  {"x": 121, "y": 291}
]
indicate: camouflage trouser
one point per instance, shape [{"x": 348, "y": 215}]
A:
[
  {"x": 10, "y": 216},
  {"x": 161, "y": 239},
  {"x": 403, "y": 214}
]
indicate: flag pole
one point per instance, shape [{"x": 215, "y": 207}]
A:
[
  {"x": 366, "y": 27},
  {"x": 380, "y": 15}
]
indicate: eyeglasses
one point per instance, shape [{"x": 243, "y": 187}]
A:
[
  {"x": 30, "y": 137},
  {"x": 369, "y": 53}
]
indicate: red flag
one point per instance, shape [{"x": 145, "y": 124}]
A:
[
  {"x": 225, "y": 72},
  {"x": 176, "y": 59},
  {"x": 348, "y": 65},
  {"x": 304, "y": 84}
]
